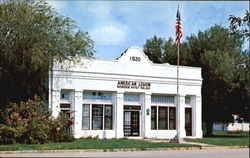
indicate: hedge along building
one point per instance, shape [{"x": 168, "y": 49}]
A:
[{"x": 130, "y": 96}]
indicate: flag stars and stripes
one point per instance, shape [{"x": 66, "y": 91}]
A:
[{"x": 178, "y": 28}]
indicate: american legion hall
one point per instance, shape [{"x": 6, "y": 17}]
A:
[{"x": 127, "y": 97}]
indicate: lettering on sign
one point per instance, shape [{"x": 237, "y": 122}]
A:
[
  {"x": 134, "y": 58},
  {"x": 133, "y": 85}
]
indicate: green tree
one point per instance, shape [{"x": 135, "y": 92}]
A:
[
  {"x": 32, "y": 34},
  {"x": 154, "y": 48},
  {"x": 240, "y": 95},
  {"x": 240, "y": 25},
  {"x": 160, "y": 50},
  {"x": 221, "y": 59},
  {"x": 220, "y": 56}
]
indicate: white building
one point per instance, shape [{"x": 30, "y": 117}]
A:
[
  {"x": 238, "y": 125},
  {"x": 129, "y": 96},
  {"x": 232, "y": 127}
]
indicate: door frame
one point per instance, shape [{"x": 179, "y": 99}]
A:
[{"x": 139, "y": 122}]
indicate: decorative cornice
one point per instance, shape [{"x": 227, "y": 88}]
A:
[
  {"x": 197, "y": 83},
  {"x": 112, "y": 74}
]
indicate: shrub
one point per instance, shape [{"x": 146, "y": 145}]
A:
[
  {"x": 8, "y": 135},
  {"x": 60, "y": 129},
  {"x": 32, "y": 123}
]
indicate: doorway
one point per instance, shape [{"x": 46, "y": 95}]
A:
[
  {"x": 131, "y": 123},
  {"x": 188, "y": 121}
]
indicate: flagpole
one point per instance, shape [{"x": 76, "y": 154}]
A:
[
  {"x": 177, "y": 87},
  {"x": 178, "y": 97},
  {"x": 177, "y": 138}
]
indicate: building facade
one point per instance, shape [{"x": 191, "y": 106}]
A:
[{"x": 127, "y": 97}]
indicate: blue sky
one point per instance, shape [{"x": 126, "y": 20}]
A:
[{"x": 116, "y": 25}]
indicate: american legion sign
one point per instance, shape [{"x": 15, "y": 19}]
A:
[{"x": 127, "y": 97}]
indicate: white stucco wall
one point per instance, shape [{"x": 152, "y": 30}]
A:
[{"x": 103, "y": 75}]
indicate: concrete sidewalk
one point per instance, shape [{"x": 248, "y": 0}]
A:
[
  {"x": 207, "y": 153},
  {"x": 182, "y": 142},
  {"x": 201, "y": 144}
]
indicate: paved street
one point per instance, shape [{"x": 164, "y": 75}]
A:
[{"x": 208, "y": 153}]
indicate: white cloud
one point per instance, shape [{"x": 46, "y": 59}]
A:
[
  {"x": 106, "y": 29},
  {"x": 100, "y": 9},
  {"x": 58, "y": 5},
  {"x": 108, "y": 35}
]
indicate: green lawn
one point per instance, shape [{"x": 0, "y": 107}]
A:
[
  {"x": 92, "y": 144},
  {"x": 224, "y": 138}
]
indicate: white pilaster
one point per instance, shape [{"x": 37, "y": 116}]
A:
[
  {"x": 55, "y": 103},
  {"x": 198, "y": 118},
  {"x": 119, "y": 115},
  {"x": 78, "y": 113},
  {"x": 181, "y": 116},
  {"x": 147, "y": 118}
]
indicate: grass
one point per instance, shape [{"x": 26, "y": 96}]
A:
[
  {"x": 221, "y": 138},
  {"x": 92, "y": 144},
  {"x": 224, "y": 138}
]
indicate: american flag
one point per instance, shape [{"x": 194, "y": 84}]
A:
[{"x": 178, "y": 28}]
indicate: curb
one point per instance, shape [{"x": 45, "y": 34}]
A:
[
  {"x": 127, "y": 149},
  {"x": 224, "y": 147}
]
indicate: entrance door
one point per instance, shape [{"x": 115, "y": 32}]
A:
[
  {"x": 131, "y": 123},
  {"x": 188, "y": 121}
]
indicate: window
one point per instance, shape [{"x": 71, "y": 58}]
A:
[
  {"x": 101, "y": 116},
  {"x": 187, "y": 100},
  {"x": 108, "y": 117},
  {"x": 158, "y": 99},
  {"x": 165, "y": 116},
  {"x": 127, "y": 107},
  {"x": 85, "y": 116},
  {"x": 97, "y": 96},
  {"x": 172, "y": 121},
  {"x": 153, "y": 117},
  {"x": 97, "y": 116},
  {"x": 134, "y": 98},
  {"x": 65, "y": 106},
  {"x": 64, "y": 95}
]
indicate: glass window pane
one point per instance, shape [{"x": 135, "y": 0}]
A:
[
  {"x": 162, "y": 112},
  {"x": 108, "y": 110},
  {"x": 132, "y": 98},
  {"x": 163, "y": 120},
  {"x": 97, "y": 116},
  {"x": 172, "y": 118},
  {"x": 97, "y": 123},
  {"x": 85, "y": 110},
  {"x": 153, "y": 117},
  {"x": 108, "y": 123},
  {"x": 97, "y": 110},
  {"x": 108, "y": 117},
  {"x": 85, "y": 116},
  {"x": 64, "y": 95},
  {"x": 188, "y": 100},
  {"x": 85, "y": 122},
  {"x": 65, "y": 106},
  {"x": 97, "y": 96},
  {"x": 158, "y": 99},
  {"x": 127, "y": 118}
]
